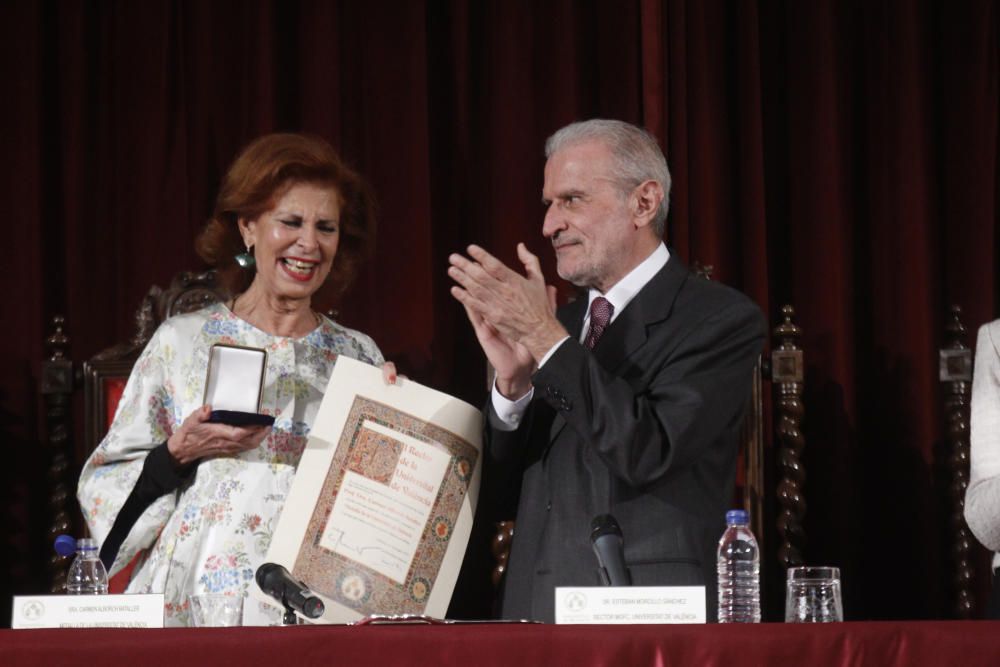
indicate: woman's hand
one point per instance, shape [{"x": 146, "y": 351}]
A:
[
  {"x": 198, "y": 439},
  {"x": 389, "y": 374}
]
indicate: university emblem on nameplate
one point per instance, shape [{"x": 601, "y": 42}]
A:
[
  {"x": 576, "y": 601},
  {"x": 32, "y": 610}
]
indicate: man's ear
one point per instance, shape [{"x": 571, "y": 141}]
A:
[{"x": 646, "y": 198}]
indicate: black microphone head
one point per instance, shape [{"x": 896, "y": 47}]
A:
[
  {"x": 275, "y": 580},
  {"x": 313, "y": 607},
  {"x": 604, "y": 524},
  {"x": 266, "y": 578}
]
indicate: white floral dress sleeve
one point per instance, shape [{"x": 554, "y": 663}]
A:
[{"x": 120, "y": 467}]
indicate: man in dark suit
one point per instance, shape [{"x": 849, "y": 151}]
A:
[{"x": 626, "y": 403}]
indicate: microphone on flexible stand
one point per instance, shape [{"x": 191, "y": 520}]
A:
[
  {"x": 293, "y": 595},
  {"x": 609, "y": 547}
]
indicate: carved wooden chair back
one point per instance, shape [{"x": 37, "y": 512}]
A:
[
  {"x": 103, "y": 378},
  {"x": 105, "y": 374},
  {"x": 955, "y": 366}
]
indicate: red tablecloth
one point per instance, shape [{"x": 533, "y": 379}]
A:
[{"x": 938, "y": 643}]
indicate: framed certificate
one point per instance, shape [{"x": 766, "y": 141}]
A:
[{"x": 380, "y": 512}]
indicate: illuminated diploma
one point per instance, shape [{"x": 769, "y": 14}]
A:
[{"x": 380, "y": 512}]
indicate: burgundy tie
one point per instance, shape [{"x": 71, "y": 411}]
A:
[{"x": 600, "y": 315}]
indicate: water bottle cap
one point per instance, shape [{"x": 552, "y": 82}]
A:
[
  {"x": 737, "y": 518},
  {"x": 65, "y": 545},
  {"x": 86, "y": 544}
]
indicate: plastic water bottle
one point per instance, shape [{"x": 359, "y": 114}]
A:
[
  {"x": 739, "y": 571},
  {"x": 87, "y": 575}
]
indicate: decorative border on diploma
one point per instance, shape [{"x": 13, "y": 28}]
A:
[{"x": 374, "y": 445}]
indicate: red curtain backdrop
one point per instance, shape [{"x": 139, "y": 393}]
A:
[{"x": 839, "y": 156}]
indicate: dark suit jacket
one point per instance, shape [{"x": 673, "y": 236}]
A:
[{"x": 644, "y": 428}]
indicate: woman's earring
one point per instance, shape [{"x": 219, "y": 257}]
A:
[{"x": 246, "y": 259}]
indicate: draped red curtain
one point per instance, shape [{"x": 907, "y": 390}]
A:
[{"x": 839, "y": 156}]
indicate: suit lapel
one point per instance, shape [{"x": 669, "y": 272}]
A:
[
  {"x": 570, "y": 316},
  {"x": 651, "y": 305},
  {"x": 628, "y": 332}
]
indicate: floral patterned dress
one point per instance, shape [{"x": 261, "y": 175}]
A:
[{"x": 212, "y": 533}]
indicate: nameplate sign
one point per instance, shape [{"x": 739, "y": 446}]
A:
[
  {"x": 630, "y": 604},
  {"x": 87, "y": 611}
]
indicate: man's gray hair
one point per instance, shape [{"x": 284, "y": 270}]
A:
[{"x": 638, "y": 157}]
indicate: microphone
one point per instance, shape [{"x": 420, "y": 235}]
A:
[
  {"x": 609, "y": 547},
  {"x": 278, "y": 582}
]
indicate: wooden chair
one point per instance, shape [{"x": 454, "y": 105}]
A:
[
  {"x": 955, "y": 366},
  {"x": 757, "y": 461},
  {"x": 103, "y": 379},
  {"x": 785, "y": 370},
  {"x": 57, "y": 391},
  {"x": 105, "y": 374}
]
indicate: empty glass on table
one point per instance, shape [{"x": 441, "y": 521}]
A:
[
  {"x": 216, "y": 610},
  {"x": 813, "y": 595}
]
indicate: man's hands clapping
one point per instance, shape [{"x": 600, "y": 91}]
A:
[{"x": 513, "y": 315}]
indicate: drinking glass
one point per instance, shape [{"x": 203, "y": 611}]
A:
[
  {"x": 813, "y": 595},
  {"x": 216, "y": 610}
]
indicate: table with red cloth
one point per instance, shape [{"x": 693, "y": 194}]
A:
[{"x": 951, "y": 643}]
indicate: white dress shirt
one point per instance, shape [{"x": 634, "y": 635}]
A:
[{"x": 506, "y": 414}]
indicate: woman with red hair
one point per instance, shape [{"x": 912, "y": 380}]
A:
[{"x": 196, "y": 502}]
